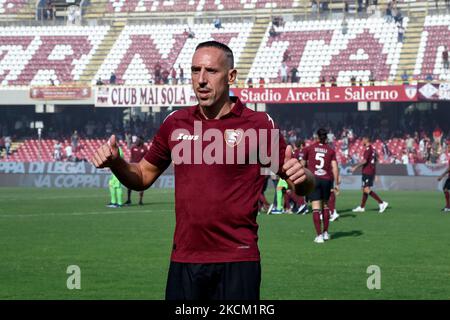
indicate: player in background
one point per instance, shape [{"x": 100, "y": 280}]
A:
[
  {"x": 368, "y": 165},
  {"x": 115, "y": 189},
  {"x": 137, "y": 152},
  {"x": 298, "y": 154},
  {"x": 332, "y": 201},
  {"x": 446, "y": 188},
  {"x": 320, "y": 159},
  {"x": 263, "y": 204}
]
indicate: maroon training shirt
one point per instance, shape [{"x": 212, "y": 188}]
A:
[
  {"x": 137, "y": 153},
  {"x": 371, "y": 158},
  {"x": 318, "y": 157},
  {"x": 216, "y": 205}
]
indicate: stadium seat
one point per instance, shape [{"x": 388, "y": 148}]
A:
[{"x": 320, "y": 49}]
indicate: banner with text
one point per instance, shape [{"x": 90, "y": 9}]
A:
[
  {"x": 327, "y": 94},
  {"x": 145, "y": 96},
  {"x": 60, "y": 93}
]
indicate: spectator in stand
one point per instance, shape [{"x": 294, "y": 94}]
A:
[
  {"x": 8, "y": 143},
  {"x": 69, "y": 153},
  {"x": 401, "y": 32},
  {"x": 353, "y": 81},
  {"x": 173, "y": 75},
  {"x": 157, "y": 73},
  {"x": 445, "y": 58},
  {"x": 191, "y": 34},
  {"x": 405, "y": 157},
  {"x": 99, "y": 82},
  {"x": 437, "y": 135},
  {"x": 74, "y": 140},
  {"x": 112, "y": 78},
  {"x": 344, "y": 26},
  {"x": 294, "y": 75},
  {"x": 57, "y": 151},
  {"x": 429, "y": 77},
  {"x": 286, "y": 56},
  {"x": 165, "y": 76},
  {"x": 409, "y": 143},
  {"x": 323, "y": 81},
  {"x": 181, "y": 74},
  {"x": 405, "y": 77},
  {"x": 333, "y": 81},
  {"x": 389, "y": 17},
  {"x": 314, "y": 6},
  {"x": 249, "y": 83},
  {"x": 278, "y": 21},
  {"x": 262, "y": 82},
  {"x": 217, "y": 23},
  {"x": 284, "y": 72},
  {"x": 371, "y": 79},
  {"x": 2, "y": 145},
  {"x": 272, "y": 32}
]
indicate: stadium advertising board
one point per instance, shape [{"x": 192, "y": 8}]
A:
[
  {"x": 85, "y": 175},
  {"x": 434, "y": 91},
  {"x": 60, "y": 93},
  {"x": 327, "y": 94},
  {"x": 141, "y": 96}
]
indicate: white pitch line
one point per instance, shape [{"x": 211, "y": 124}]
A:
[{"x": 81, "y": 213}]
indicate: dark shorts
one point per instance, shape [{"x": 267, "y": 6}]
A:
[
  {"x": 367, "y": 180},
  {"x": 214, "y": 281},
  {"x": 447, "y": 184},
  {"x": 322, "y": 190}
]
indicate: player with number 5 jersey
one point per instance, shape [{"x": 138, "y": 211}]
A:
[{"x": 320, "y": 159}]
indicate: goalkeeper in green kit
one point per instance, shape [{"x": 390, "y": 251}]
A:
[{"x": 115, "y": 189}]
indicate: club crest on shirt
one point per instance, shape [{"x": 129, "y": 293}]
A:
[{"x": 233, "y": 137}]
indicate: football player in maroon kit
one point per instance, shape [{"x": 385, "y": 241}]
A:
[
  {"x": 302, "y": 206},
  {"x": 446, "y": 187},
  {"x": 214, "y": 252},
  {"x": 368, "y": 165},
  {"x": 320, "y": 159},
  {"x": 137, "y": 152}
]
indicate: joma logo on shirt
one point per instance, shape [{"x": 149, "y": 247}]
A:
[{"x": 182, "y": 136}]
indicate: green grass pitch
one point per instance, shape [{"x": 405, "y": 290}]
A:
[{"x": 124, "y": 253}]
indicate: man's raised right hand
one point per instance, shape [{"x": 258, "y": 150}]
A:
[{"x": 107, "y": 154}]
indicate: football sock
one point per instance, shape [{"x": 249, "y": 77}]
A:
[
  {"x": 316, "y": 219},
  {"x": 364, "y": 199},
  {"x": 141, "y": 196},
  {"x": 112, "y": 192},
  {"x": 129, "y": 195},
  {"x": 119, "y": 196},
  {"x": 332, "y": 202},
  {"x": 326, "y": 219},
  {"x": 447, "y": 199},
  {"x": 375, "y": 196},
  {"x": 280, "y": 201}
]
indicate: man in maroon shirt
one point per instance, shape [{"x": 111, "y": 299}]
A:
[
  {"x": 137, "y": 152},
  {"x": 218, "y": 181},
  {"x": 368, "y": 165},
  {"x": 320, "y": 159},
  {"x": 446, "y": 187}
]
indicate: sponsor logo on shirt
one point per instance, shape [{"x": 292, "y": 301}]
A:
[{"x": 182, "y": 136}]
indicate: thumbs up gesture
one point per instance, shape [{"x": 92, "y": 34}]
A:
[
  {"x": 106, "y": 154},
  {"x": 299, "y": 178}
]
